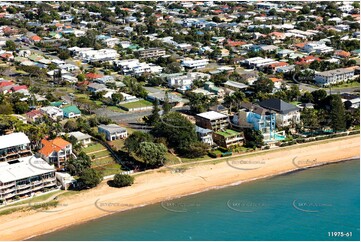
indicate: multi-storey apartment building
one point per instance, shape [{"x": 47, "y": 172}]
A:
[
  {"x": 25, "y": 176},
  {"x": 151, "y": 52},
  {"x": 14, "y": 146},
  {"x": 212, "y": 120},
  {"x": 326, "y": 78}
]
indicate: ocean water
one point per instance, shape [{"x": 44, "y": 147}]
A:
[{"x": 303, "y": 205}]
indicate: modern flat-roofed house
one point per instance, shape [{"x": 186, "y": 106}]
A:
[
  {"x": 286, "y": 113},
  {"x": 258, "y": 118},
  {"x": 235, "y": 85},
  {"x": 205, "y": 135},
  {"x": 56, "y": 151},
  {"x": 212, "y": 120},
  {"x": 326, "y": 78},
  {"x": 151, "y": 52},
  {"x": 53, "y": 112},
  {"x": 195, "y": 63},
  {"x": 71, "y": 112},
  {"x": 113, "y": 131},
  {"x": 14, "y": 146},
  {"x": 83, "y": 139},
  {"x": 24, "y": 177},
  {"x": 227, "y": 138}
]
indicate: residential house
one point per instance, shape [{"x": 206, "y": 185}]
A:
[
  {"x": 286, "y": 113},
  {"x": 197, "y": 64},
  {"x": 205, "y": 135},
  {"x": 235, "y": 85},
  {"x": 81, "y": 138},
  {"x": 54, "y": 113},
  {"x": 258, "y": 118},
  {"x": 307, "y": 60},
  {"x": 56, "y": 151},
  {"x": 113, "y": 131},
  {"x": 96, "y": 87},
  {"x": 71, "y": 112},
  {"x": 317, "y": 47},
  {"x": 34, "y": 116}
]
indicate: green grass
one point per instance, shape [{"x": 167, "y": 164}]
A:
[
  {"x": 79, "y": 95},
  {"x": 109, "y": 169},
  {"x": 118, "y": 144},
  {"x": 12, "y": 210},
  {"x": 103, "y": 162},
  {"x": 35, "y": 199},
  {"x": 100, "y": 154},
  {"x": 345, "y": 85},
  {"x": 99, "y": 103},
  {"x": 171, "y": 159},
  {"x": 116, "y": 109},
  {"x": 227, "y": 133},
  {"x": 137, "y": 104},
  {"x": 93, "y": 148}
]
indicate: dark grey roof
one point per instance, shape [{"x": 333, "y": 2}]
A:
[
  {"x": 255, "y": 108},
  {"x": 278, "y": 105}
]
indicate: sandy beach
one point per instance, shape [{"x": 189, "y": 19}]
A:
[{"x": 165, "y": 184}]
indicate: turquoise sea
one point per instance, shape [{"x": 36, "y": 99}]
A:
[{"x": 303, "y": 205}]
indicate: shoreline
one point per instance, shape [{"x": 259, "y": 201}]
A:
[
  {"x": 155, "y": 187},
  {"x": 194, "y": 193}
]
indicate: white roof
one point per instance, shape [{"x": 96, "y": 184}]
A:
[
  {"x": 13, "y": 139},
  {"x": 211, "y": 115},
  {"x": 79, "y": 135},
  {"x": 27, "y": 167}
]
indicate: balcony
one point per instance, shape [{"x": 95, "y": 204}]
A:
[
  {"x": 36, "y": 183},
  {"x": 8, "y": 185},
  {"x": 49, "y": 179},
  {"x": 9, "y": 195},
  {"x": 23, "y": 186},
  {"x": 50, "y": 184},
  {"x": 24, "y": 191},
  {"x": 5, "y": 191}
]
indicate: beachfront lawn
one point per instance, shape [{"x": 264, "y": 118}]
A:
[
  {"x": 137, "y": 104},
  {"x": 102, "y": 161},
  {"x": 36, "y": 199},
  {"x": 109, "y": 169}
]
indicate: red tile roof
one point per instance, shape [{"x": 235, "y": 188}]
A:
[
  {"x": 92, "y": 75},
  {"x": 6, "y": 83},
  {"x": 307, "y": 60},
  {"x": 342, "y": 53},
  {"x": 279, "y": 64},
  {"x": 49, "y": 146},
  {"x": 17, "y": 88},
  {"x": 33, "y": 113},
  {"x": 235, "y": 43},
  {"x": 36, "y": 38}
]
